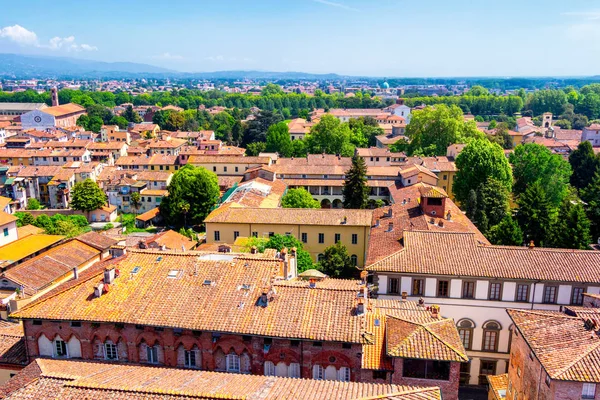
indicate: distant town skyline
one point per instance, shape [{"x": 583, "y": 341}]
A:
[{"x": 348, "y": 37}]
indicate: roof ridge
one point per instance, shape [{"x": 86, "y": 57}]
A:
[{"x": 464, "y": 356}]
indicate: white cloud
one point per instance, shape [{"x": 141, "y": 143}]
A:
[
  {"x": 337, "y": 5},
  {"x": 587, "y": 15},
  {"x": 169, "y": 56},
  {"x": 25, "y": 37},
  {"x": 215, "y": 58},
  {"x": 19, "y": 35}
]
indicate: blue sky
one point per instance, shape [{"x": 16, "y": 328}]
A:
[{"x": 359, "y": 37}]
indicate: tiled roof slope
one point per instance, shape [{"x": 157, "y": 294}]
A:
[
  {"x": 564, "y": 346},
  {"x": 291, "y": 216},
  {"x": 12, "y": 344},
  {"x": 67, "y": 379},
  {"x": 459, "y": 254},
  {"x": 408, "y": 216},
  {"x": 186, "y": 302},
  {"x": 42, "y": 270}
]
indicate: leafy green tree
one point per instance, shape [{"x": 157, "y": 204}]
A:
[
  {"x": 571, "y": 229},
  {"x": 43, "y": 221},
  {"x": 33, "y": 204},
  {"x": 135, "y": 200},
  {"x": 254, "y": 149},
  {"x": 271, "y": 89},
  {"x": 67, "y": 228},
  {"x": 584, "y": 164},
  {"x": 24, "y": 218},
  {"x": 330, "y": 136},
  {"x": 356, "y": 191},
  {"x": 256, "y": 130},
  {"x": 591, "y": 195},
  {"x": 131, "y": 115},
  {"x": 237, "y": 132},
  {"x": 95, "y": 124},
  {"x": 547, "y": 101},
  {"x": 84, "y": 122},
  {"x": 299, "y": 198},
  {"x": 535, "y": 214},
  {"x": 298, "y": 148},
  {"x": 479, "y": 161},
  {"x": 337, "y": 263},
  {"x": 502, "y": 137},
  {"x": 506, "y": 233},
  {"x": 535, "y": 163},
  {"x": 493, "y": 204},
  {"x": 303, "y": 258},
  {"x": 563, "y": 123},
  {"x": 478, "y": 90},
  {"x": 278, "y": 140},
  {"x": 87, "y": 196},
  {"x": 118, "y": 120},
  {"x": 194, "y": 186},
  {"x": 437, "y": 128}
]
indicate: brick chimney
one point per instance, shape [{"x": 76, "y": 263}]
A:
[{"x": 435, "y": 311}]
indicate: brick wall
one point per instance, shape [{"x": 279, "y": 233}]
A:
[{"x": 211, "y": 350}]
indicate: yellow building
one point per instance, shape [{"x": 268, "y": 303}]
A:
[
  {"x": 445, "y": 170},
  {"x": 317, "y": 229},
  {"x": 228, "y": 165}
]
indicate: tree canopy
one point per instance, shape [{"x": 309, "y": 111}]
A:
[
  {"x": 337, "y": 263},
  {"x": 299, "y": 198},
  {"x": 535, "y": 163},
  {"x": 433, "y": 129},
  {"x": 87, "y": 196},
  {"x": 193, "y": 186},
  {"x": 278, "y": 140},
  {"x": 584, "y": 163},
  {"x": 330, "y": 136},
  {"x": 535, "y": 214},
  {"x": 479, "y": 161}
]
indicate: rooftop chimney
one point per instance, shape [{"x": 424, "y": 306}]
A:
[
  {"x": 345, "y": 221},
  {"x": 449, "y": 216},
  {"x": 404, "y": 296},
  {"x": 376, "y": 223},
  {"x": 421, "y": 302},
  {"x": 531, "y": 244},
  {"x": 98, "y": 290},
  {"x": 360, "y": 307},
  {"x": 312, "y": 283},
  {"x": 435, "y": 311},
  {"x": 109, "y": 276},
  {"x": 253, "y": 250},
  {"x": 75, "y": 273},
  {"x": 390, "y": 227}
]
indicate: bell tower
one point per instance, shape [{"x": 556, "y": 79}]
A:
[{"x": 54, "y": 94}]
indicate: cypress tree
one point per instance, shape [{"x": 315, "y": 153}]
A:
[{"x": 355, "y": 191}]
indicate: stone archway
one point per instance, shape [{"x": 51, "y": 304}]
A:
[
  {"x": 325, "y": 203},
  {"x": 337, "y": 203}
]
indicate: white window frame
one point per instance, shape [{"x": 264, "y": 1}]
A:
[
  {"x": 588, "y": 391},
  {"x": 187, "y": 357},
  {"x": 294, "y": 370},
  {"x": 269, "y": 368},
  {"x": 55, "y": 343},
  {"x": 318, "y": 372},
  {"x": 109, "y": 349},
  {"x": 232, "y": 363},
  {"x": 344, "y": 374},
  {"x": 152, "y": 354}
]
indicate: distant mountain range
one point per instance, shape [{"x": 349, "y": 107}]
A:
[{"x": 31, "y": 66}]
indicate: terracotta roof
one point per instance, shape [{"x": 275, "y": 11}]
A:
[
  {"x": 291, "y": 216},
  {"x": 27, "y": 246},
  {"x": 172, "y": 240},
  {"x": 27, "y": 230},
  {"x": 158, "y": 176},
  {"x": 167, "y": 144},
  {"x": 65, "y": 109},
  {"x": 46, "y": 378},
  {"x": 318, "y": 314},
  {"x": 149, "y": 192},
  {"x": 432, "y": 192},
  {"x": 6, "y": 218},
  {"x": 41, "y": 271},
  {"x": 96, "y": 240},
  {"x": 453, "y": 253},
  {"x": 378, "y": 152},
  {"x": 406, "y": 215},
  {"x": 148, "y": 215},
  {"x": 498, "y": 386},
  {"x": 563, "y": 345},
  {"x": 433, "y": 340}
]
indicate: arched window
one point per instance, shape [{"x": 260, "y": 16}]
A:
[
  {"x": 191, "y": 358},
  {"x": 317, "y": 372},
  {"x": 344, "y": 374},
  {"x": 60, "y": 348},
  {"x": 491, "y": 334},
  {"x": 269, "y": 368},
  {"x": 354, "y": 259},
  {"x": 294, "y": 370},
  {"x": 465, "y": 331},
  {"x": 149, "y": 354},
  {"x": 232, "y": 362},
  {"x": 281, "y": 369},
  {"x": 110, "y": 350},
  {"x": 45, "y": 346}
]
